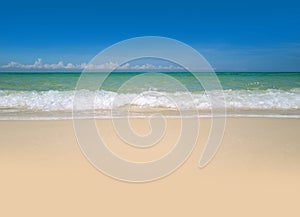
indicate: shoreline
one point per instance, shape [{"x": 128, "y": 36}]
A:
[{"x": 145, "y": 113}]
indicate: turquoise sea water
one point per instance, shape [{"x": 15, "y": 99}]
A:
[
  {"x": 51, "y": 94},
  {"x": 229, "y": 80}
]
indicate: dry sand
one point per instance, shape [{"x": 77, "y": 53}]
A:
[{"x": 256, "y": 172}]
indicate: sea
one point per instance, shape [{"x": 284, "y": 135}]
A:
[{"x": 50, "y": 96}]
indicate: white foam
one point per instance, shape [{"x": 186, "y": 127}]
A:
[{"x": 54, "y": 101}]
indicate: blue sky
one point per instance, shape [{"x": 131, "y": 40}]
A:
[{"x": 232, "y": 35}]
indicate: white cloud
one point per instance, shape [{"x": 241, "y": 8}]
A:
[
  {"x": 155, "y": 67},
  {"x": 39, "y": 65}
]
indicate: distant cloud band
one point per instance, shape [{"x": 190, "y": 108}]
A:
[{"x": 39, "y": 65}]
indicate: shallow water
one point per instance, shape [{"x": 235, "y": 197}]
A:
[{"x": 51, "y": 95}]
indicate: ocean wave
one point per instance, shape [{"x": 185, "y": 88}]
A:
[{"x": 53, "y": 100}]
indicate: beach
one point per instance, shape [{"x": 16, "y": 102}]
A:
[
  {"x": 254, "y": 173},
  {"x": 150, "y": 109},
  {"x": 47, "y": 172}
]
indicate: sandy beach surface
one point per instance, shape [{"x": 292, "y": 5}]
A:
[{"x": 256, "y": 172}]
